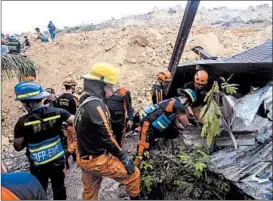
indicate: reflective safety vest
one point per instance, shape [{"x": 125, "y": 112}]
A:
[
  {"x": 166, "y": 117},
  {"x": 50, "y": 148},
  {"x": 46, "y": 151}
]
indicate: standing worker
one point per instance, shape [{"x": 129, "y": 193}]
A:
[
  {"x": 26, "y": 44},
  {"x": 120, "y": 106},
  {"x": 99, "y": 154},
  {"x": 52, "y": 30},
  {"x": 159, "y": 92},
  {"x": 69, "y": 102},
  {"x": 163, "y": 119},
  {"x": 39, "y": 131}
]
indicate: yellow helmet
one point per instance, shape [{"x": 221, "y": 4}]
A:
[{"x": 103, "y": 72}]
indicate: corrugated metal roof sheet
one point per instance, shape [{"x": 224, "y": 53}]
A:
[
  {"x": 258, "y": 54},
  {"x": 261, "y": 53}
]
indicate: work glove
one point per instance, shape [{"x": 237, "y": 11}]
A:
[{"x": 128, "y": 163}]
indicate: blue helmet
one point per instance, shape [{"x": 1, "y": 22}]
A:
[
  {"x": 29, "y": 91},
  {"x": 191, "y": 94}
]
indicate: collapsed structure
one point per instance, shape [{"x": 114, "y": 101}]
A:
[{"x": 247, "y": 162}]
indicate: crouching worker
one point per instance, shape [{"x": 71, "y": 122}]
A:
[
  {"x": 99, "y": 154},
  {"x": 39, "y": 132},
  {"x": 164, "y": 119}
]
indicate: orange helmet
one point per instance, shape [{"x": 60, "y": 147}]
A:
[
  {"x": 164, "y": 76},
  {"x": 201, "y": 77}
]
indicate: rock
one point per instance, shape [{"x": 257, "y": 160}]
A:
[
  {"x": 109, "y": 45},
  {"x": 228, "y": 39},
  {"x": 237, "y": 19},
  {"x": 5, "y": 141},
  {"x": 139, "y": 40},
  {"x": 171, "y": 11},
  {"x": 251, "y": 8},
  {"x": 210, "y": 42}
]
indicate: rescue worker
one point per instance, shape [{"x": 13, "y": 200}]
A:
[
  {"x": 41, "y": 36},
  {"x": 21, "y": 186},
  {"x": 51, "y": 100},
  {"x": 4, "y": 48},
  {"x": 14, "y": 45},
  {"x": 26, "y": 44},
  {"x": 99, "y": 154},
  {"x": 159, "y": 92},
  {"x": 163, "y": 119},
  {"x": 69, "y": 102},
  {"x": 201, "y": 86},
  {"x": 39, "y": 132},
  {"x": 120, "y": 106},
  {"x": 52, "y": 30}
]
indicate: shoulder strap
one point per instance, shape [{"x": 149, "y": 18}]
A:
[{"x": 90, "y": 98}]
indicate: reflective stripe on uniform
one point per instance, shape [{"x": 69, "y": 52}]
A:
[
  {"x": 45, "y": 147},
  {"x": 170, "y": 105},
  {"x": 32, "y": 123},
  {"x": 142, "y": 144},
  {"x": 161, "y": 125},
  {"x": 52, "y": 159},
  {"x": 108, "y": 128},
  {"x": 191, "y": 96},
  {"x": 52, "y": 118},
  {"x": 38, "y": 121},
  {"x": 28, "y": 94}
]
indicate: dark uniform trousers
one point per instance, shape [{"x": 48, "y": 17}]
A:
[{"x": 55, "y": 171}]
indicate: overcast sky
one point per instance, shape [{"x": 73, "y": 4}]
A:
[{"x": 23, "y": 16}]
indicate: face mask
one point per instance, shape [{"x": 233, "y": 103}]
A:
[{"x": 200, "y": 86}]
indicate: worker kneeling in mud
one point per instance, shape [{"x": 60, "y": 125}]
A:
[
  {"x": 99, "y": 154},
  {"x": 120, "y": 106},
  {"x": 159, "y": 92},
  {"x": 69, "y": 102},
  {"x": 39, "y": 131},
  {"x": 163, "y": 119}
]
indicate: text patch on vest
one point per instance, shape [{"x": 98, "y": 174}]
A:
[{"x": 46, "y": 151}]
